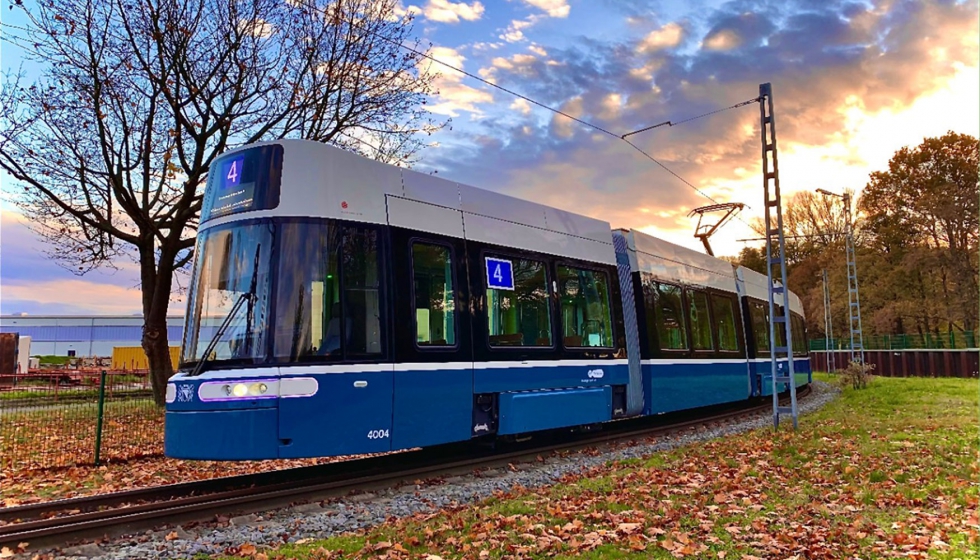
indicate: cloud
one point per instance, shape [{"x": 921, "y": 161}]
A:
[
  {"x": 554, "y": 8},
  {"x": 77, "y": 296},
  {"x": 518, "y": 64},
  {"x": 454, "y": 96},
  {"x": 832, "y": 66},
  {"x": 452, "y": 12},
  {"x": 666, "y": 37},
  {"x": 401, "y": 11},
  {"x": 521, "y": 105},
  {"x": 31, "y": 282},
  {"x": 514, "y": 32},
  {"x": 723, "y": 40},
  {"x": 536, "y": 49}
]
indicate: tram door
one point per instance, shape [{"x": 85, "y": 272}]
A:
[
  {"x": 433, "y": 377},
  {"x": 343, "y": 399}
]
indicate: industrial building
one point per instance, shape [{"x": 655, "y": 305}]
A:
[{"x": 83, "y": 336}]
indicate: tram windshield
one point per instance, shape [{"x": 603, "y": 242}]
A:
[
  {"x": 232, "y": 268},
  {"x": 327, "y": 279}
]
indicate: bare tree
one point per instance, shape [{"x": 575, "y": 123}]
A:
[
  {"x": 811, "y": 223},
  {"x": 136, "y": 98}
]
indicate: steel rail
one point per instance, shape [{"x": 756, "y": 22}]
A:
[{"x": 432, "y": 463}]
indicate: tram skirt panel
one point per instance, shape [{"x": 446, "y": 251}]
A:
[{"x": 680, "y": 386}]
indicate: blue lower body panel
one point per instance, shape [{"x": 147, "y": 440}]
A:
[
  {"x": 763, "y": 372},
  {"x": 222, "y": 434},
  {"x": 544, "y": 410},
  {"x": 349, "y": 414},
  {"x": 432, "y": 407},
  {"x": 678, "y": 386}
]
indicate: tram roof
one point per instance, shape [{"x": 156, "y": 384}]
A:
[
  {"x": 678, "y": 264},
  {"x": 756, "y": 285},
  {"x": 323, "y": 181}
]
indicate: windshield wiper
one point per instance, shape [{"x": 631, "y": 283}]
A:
[{"x": 248, "y": 296}]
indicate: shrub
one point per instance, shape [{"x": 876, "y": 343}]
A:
[{"x": 855, "y": 375}]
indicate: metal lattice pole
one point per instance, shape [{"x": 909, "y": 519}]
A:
[
  {"x": 776, "y": 266},
  {"x": 828, "y": 326},
  {"x": 853, "y": 296}
]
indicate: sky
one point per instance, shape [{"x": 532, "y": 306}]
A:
[{"x": 852, "y": 83}]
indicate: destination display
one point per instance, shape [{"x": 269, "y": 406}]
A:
[{"x": 244, "y": 181}]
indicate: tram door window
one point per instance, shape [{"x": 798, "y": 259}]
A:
[
  {"x": 669, "y": 311},
  {"x": 522, "y": 316},
  {"x": 329, "y": 303},
  {"x": 585, "y": 315},
  {"x": 435, "y": 309},
  {"x": 649, "y": 288},
  {"x": 308, "y": 326},
  {"x": 700, "y": 320},
  {"x": 725, "y": 323},
  {"x": 361, "y": 284}
]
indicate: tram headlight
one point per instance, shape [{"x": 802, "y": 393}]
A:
[{"x": 234, "y": 390}]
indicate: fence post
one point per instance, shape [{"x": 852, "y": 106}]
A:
[{"x": 98, "y": 426}]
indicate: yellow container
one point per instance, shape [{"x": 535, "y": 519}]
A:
[{"x": 131, "y": 358}]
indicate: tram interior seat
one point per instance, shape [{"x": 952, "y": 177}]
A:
[{"x": 515, "y": 339}]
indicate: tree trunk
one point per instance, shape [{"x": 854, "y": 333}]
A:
[
  {"x": 157, "y": 349},
  {"x": 157, "y": 280}
]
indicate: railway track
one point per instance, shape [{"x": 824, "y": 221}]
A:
[{"x": 58, "y": 522}]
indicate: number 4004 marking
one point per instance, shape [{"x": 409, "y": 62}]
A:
[{"x": 378, "y": 434}]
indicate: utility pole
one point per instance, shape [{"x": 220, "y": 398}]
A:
[
  {"x": 776, "y": 267},
  {"x": 828, "y": 325},
  {"x": 853, "y": 295}
]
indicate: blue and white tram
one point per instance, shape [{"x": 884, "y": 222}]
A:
[{"x": 341, "y": 306}]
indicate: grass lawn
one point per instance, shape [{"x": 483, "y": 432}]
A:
[{"x": 888, "y": 471}]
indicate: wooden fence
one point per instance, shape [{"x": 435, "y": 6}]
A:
[{"x": 909, "y": 363}]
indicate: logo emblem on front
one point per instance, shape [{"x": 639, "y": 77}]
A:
[
  {"x": 596, "y": 373},
  {"x": 185, "y": 393}
]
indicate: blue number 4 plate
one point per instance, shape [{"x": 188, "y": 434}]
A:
[{"x": 500, "y": 274}]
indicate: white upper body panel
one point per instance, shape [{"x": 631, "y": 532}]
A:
[
  {"x": 323, "y": 181},
  {"x": 679, "y": 265},
  {"x": 756, "y": 285}
]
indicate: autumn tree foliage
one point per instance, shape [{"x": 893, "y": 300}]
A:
[
  {"x": 110, "y": 145},
  {"x": 916, "y": 232},
  {"x": 921, "y": 221}
]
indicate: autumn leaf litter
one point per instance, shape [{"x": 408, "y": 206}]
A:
[{"x": 344, "y": 516}]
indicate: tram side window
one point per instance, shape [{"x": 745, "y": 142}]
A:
[
  {"x": 670, "y": 318},
  {"x": 799, "y": 338},
  {"x": 725, "y": 323},
  {"x": 585, "y": 313},
  {"x": 522, "y": 316},
  {"x": 760, "y": 327},
  {"x": 435, "y": 309},
  {"x": 780, "y": 330},
  {"x": 700, "y": 320}
]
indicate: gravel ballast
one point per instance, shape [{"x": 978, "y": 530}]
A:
[{"x": 316, "y": 521}]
